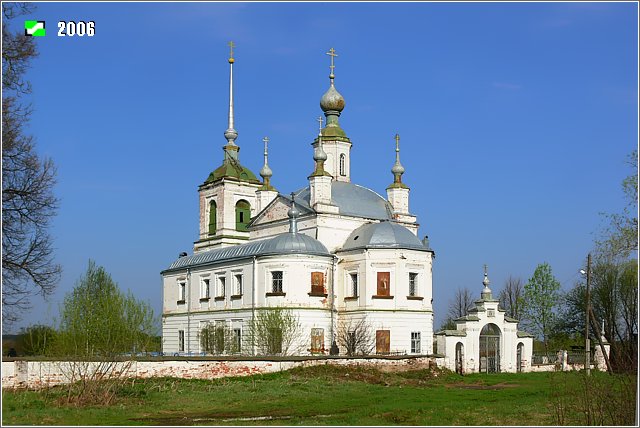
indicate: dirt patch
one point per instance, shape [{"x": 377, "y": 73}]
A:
[{"x": 480, "y": 386}]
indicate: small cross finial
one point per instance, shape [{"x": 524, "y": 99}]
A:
[
  {"x": 266, "y": 141},
  {"x": 397, "y": 142},
  {"x": 320, "y": 120},
  {"x": 231, "y": 46},
  {"x": 332, "y": 53},
  {"x": 485, "y": 269}
]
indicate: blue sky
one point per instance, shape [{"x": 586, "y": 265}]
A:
[{"x": 515, "y": 122}]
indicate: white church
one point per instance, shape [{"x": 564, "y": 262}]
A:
[{"x": 333, "y": 253}]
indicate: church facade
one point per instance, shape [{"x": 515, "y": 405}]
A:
[{"x": 336, "y": 255}]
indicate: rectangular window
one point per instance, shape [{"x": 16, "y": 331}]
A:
[
  {"x": 218, "y": 337},
  {"x": 413, "y": 284},
  {"x": 383, "y": 341},
  {"x": 274, "y": 340},
  {"x": 204, "y": 289},
  {"x": 415, "y": 342},
  {"x": 221, "y": 286},
  {"x": 181, "y": 340},
  {"x": 384, "y": 279},
  {"x": 354, "y": 284},
  {"x": 317, "y": 283},
  {"x": 237, "y": 340},
  {"x": 317, "y": 340},
  {"x": 276, "y": 281},
  {"x": 182, "y": 292},
  {"x": 238, "y": 285}
]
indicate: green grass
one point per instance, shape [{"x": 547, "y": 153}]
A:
[{"x": 321, "y": 395}]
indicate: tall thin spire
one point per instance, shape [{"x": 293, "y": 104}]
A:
[
  {"x": 266, "y": 172},
  {"x": 397, "y": 168},
  {"x": 486, "y": 291},
  {"x": 319, "y": 155},
  {"x": 231, "y": 134},
  {"x": 293, "y": 214}
]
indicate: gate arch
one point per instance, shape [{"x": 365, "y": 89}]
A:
[{"x": 489, "y": 349}]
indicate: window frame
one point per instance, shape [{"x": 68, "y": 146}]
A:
[
  {"x": 413, "y": 284},
  {"x": 276, "y": 290},
  {"x": 221, "y": 286},
  {"x": 416, "y": 342},
  {"x": 182, "y": 291},
  {"x": 181, "y": 340},
  {"x": 205, "y": 288}
]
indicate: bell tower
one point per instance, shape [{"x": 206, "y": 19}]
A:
[{"x": 228, "y": 196}]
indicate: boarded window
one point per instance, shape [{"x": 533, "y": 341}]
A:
[
  {"x": 212, "y": 217},
  {"x": 383, "y": 341},
  {"x": 237, "y": 340},
  {"x": 317, "y": 340},
  {"x": 238, "y": 289},
  {"x": 204, "y": 290},
  {"x": 317, "y": 282},
  {"x": 383, "y": 283}
]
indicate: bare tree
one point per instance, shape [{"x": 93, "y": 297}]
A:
[
  {"x": 356, "y": 337},
  {"x": 28, "y": 203},
  {"x": 461, "y": 303},
  {"x": 510, "y": 297}
]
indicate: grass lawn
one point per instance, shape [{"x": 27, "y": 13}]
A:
[{"x": 322, "y": 395}]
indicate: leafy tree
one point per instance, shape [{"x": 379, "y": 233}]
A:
[
  {"x": 620, "y": 237},
  {"x": 99, "y": 326},
  {"x": 217, "y": 339},
  {"x": 28, "y": 203},
  {"x": 37, "y": 339},
  {"x": 275, "y": 331},
  {"x": 510, "y": 297},
  {"x": 540, "y": 300}
]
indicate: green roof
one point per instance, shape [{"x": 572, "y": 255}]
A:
[
  {"x": 524, "y": 334},
  {"x": 231, "y": 168},
  {"x": 460, "y": 333}
]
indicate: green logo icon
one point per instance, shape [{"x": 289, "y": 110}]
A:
[{"x": 34, "y": 28}]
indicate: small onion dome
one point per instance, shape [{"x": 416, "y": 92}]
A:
[
  {"x": 266, "y": 171},
  {"x": 319, "y": 154},
  {"x": 397, "y": 168},
  {"x": 332, "y": 100}
]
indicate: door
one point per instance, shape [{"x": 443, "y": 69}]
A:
[
  {"x": 383, "y": 341},
  {"x": 459, "y": 358}
]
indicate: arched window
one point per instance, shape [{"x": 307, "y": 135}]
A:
[
  {"x": 213, "y": 216},
  {"x": 342, "y": 167},
  {"x": 243, "y": 215}
]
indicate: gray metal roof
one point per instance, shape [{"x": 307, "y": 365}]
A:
[
  {"x": 385, "y": 234},
  {"x": 352, "y": 200},
  {"x": 460, "y": 333},
  {"x": 285, "y": 243}
]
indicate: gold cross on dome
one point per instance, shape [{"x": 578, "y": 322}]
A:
[
  {"x": 231, "y": 46},
  {"x": 332, "y": 53}
]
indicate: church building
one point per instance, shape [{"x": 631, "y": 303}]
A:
[{"x": 335, "y": 254}]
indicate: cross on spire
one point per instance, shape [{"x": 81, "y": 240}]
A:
[
  {"x": 332, "y": 53},
  {"x": 397, "y": 142},
  {"x": 320, "y": 120},
  {"x": 485, "y": 269}
]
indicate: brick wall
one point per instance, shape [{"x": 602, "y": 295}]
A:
[{"x": 38, "y": 374}]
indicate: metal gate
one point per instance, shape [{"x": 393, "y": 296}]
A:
[{"x": 490, "y": 349}]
